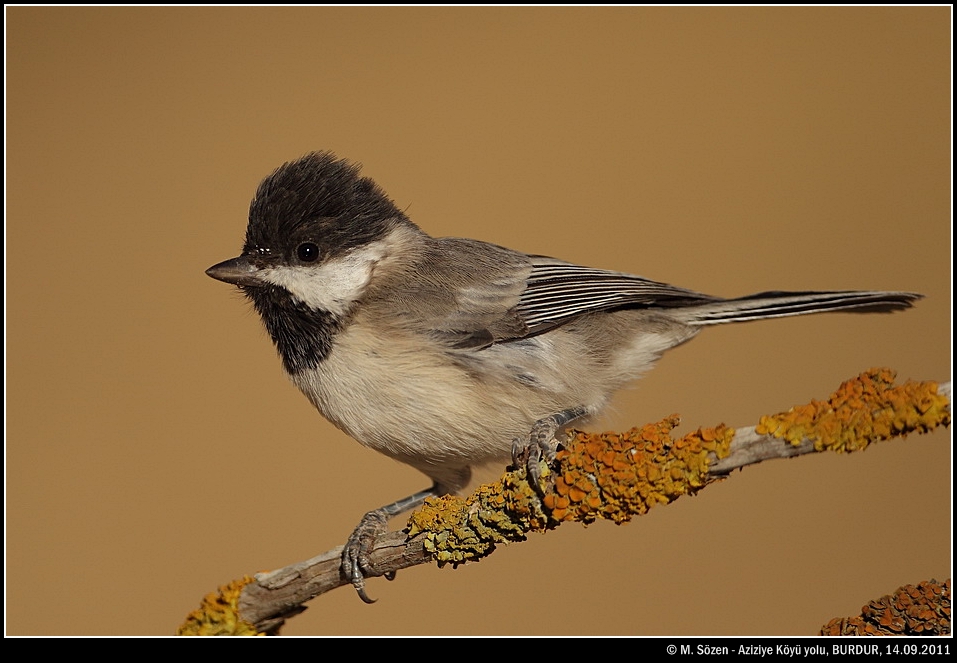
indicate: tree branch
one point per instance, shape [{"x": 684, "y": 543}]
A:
[
  {"x": 923, "y": 609},
  {"x": 609, "y": 476}
]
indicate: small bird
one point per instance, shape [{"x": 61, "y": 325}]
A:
[{"x": 448, "y": 353}]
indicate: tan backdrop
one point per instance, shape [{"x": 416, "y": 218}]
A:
[{"x": 155, "y": 450}]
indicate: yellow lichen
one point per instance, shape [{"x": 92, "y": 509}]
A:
[
  {"x": 218, "y": 613},
  {"x": 459, "y": 530},
  {"x": 863, "y": 410}
]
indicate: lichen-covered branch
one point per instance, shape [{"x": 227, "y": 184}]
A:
[
  {"x": 864, "y": 410},
  {"x": 923, "y": 609},
  {"x": 612, "y": 476}
]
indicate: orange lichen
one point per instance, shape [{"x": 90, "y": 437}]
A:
[
  {"x": 611, "y": 476},
  {"x": 911, "y": 610},
  {"x": 218, "y": 613},
  {"x": 863, "y": 410},
  {"x": 616, "y": 476}
]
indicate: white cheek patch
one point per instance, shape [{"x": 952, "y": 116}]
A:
[{"x": 333, "y": 285}]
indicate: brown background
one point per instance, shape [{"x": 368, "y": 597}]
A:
[{"x": 155, "y": 450}]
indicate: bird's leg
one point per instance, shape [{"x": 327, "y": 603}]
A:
[
  {"x": 541, "y": 441},
  {"x": 355, "y": 554}
]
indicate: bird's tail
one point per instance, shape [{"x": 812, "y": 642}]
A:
[{"x": 782, "y": 304}]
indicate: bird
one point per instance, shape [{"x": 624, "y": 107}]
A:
[{"x": 449, "y": 353}]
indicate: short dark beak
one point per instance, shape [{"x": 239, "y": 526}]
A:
[{"x": 238, "y": 271}]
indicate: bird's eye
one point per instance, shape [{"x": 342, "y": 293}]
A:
[{"x": 307, "y": 252}]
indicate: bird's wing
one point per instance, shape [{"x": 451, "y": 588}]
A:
[
  {"x": 489, "y": 294},
  {"x": 471, "y": 290},
  {"x": 557, "y": 292}
]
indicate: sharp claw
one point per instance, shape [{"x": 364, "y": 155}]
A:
[
  {"x": 355, "y": 576},
  {"x": 519, "y": 452},
  {"x": 361, "y": 591},
  {"x": 534, "y": 469}
]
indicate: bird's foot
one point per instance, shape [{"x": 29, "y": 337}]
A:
[
  {"x": 355, "y": 554},
  {"x": 356, "y": 565},
  {"x": 541, "y": 443}
]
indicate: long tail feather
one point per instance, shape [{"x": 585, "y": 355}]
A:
[{"x": 782, "y": 304}]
